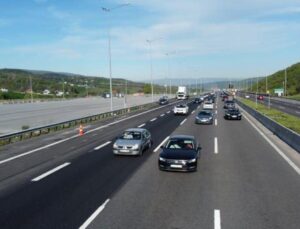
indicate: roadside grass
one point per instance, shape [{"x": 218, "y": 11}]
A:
[
  {"x": 295, "y": 97},
  {"x": 289, "y": 121}
]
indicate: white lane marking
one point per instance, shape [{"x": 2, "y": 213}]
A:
[
  {"x": 95, "y": 135},
  {"x": 216, "y": 122},
  {"x": 193, "y": 111},
  {"x": 216, "y": 112},
  {"x": 183, "y": 122},
  {"x": 75, "y": 136},
  {"x": 216, "y": 107},
  {"x": 163, "y": 142},
  {"x": 281, "y": 107},
  {"x": 144, "y": 124},
  {"x": 152, "y": 120},
  {"x": 50, "y": 172},
  {"x": 101, "y": 146},
  {"x": 168, "y": 112},
  {"x": 162, "y": 115},
  {"x": 37, "y": 149},
  {"x": 216, "y": 145},
  {"x": 217, "y": 219},
  {"x": 94, "y": 215},
  {"x": 298, "y": 112},
  {"x": 289, "y": 161}
]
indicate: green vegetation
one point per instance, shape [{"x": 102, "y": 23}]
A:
[
  {"x": 18, "y": 84},
  {"x": 295, "y": 97},
  {"x": 289, "y": 121},
  {"x": 276, "y": 80}
]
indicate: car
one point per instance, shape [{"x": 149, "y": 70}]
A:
[
  {"x": 260, "y": 97},
  {"x": 208, "y": 105},
  {"x": 181, "y": 109},
  {"x": 204, "y": 117},
  {"x": 197, "y": 100},
  {"x": 163, "y": 101},
  {"x": 180, "y": 153},
  {"x": 229, "y": 104},
  {"x": 133, "y": 141},
  {"x": 233, "y": 114}
]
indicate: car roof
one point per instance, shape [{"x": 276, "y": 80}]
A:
[
  {"x": 182, "y": 136},
  {"x": 136, "y": 129}
]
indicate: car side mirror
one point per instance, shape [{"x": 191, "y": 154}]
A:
[{"x": 199, "y": 148}]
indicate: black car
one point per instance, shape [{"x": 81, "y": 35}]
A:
[
  {"x": 197, "y": 100},
  {"x": 233, "y": 114},
  {"x": 180, "y": 153},
  {"x": 163, "y": 101},
  {"x": 229, "y": 104},
  {"x": 204, "y": 117}
]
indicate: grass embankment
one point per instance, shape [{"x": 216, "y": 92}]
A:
[
  {"x": 295, "y": 97},
  {"x": 289, "y": 121}
]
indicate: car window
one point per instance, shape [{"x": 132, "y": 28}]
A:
[
  {"x": 180, "y": 144},
  {"x": 131, "y": 135}
]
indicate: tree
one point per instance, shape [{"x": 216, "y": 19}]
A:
[{"x": 147, "y": 88}]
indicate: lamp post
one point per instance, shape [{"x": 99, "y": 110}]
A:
[{"x": 108, "y": 10}]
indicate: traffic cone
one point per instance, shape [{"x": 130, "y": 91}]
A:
[{"x": 81, "y": 132}]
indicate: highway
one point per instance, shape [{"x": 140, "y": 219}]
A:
[
  {"x": 65, "y": 181},
  {"x": 14, "y": 116},
  {"x": 288, "y": 106}
]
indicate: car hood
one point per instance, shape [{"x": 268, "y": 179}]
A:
[
  {"x": 178, "y": 154},
  {"x": 204, "y": 116},
  {"x": 125, "y": 142}
]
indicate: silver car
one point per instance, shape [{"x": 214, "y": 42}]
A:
[{"x": 132, "y": 142}]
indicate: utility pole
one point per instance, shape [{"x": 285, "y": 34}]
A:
[
  {"x": 31, "y": 90},
  {"x": 285, "y": 83}
]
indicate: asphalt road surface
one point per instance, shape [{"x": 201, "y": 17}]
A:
[
  {"x": 14, "y": 116},
  {"x": 291, "y": 107},
  {"x": 76, "y": 182}
]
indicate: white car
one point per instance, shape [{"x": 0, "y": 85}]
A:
[
  {"x": 208, "y": 105},
  {"x": 181, "y": 109}
]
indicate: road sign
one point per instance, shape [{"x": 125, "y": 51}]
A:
[{"x": 278, "y": 91}]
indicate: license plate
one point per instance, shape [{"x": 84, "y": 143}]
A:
[
  {"x": 176, "y": 166},
  {"x": 234, "y": 116},
  {"x": 124, "y": 151}
]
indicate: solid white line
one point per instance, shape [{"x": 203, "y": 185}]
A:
[
  {"x": 75, "y": 136},
  {"x": 291, "y": 163},
  {"x": 183, "y": 122},
  {"x": 193, "y": 111},
  {"x": 94, "y": 215},
  {"x": 216, "y": 122},
  {"x": 217, "y": 219},
  {"x": 216, "y": 145},
  {"x": 152, "y": 120},
  {"x": 101, "y": 146},
  {"x": 144, "y": 124},
  {"x": 50, "y": 172},
  {"x": 162, "y": 115},
  {"x": 163, "y": 142}
]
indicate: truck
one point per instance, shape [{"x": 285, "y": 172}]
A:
[{"x": 182, "y": 93}]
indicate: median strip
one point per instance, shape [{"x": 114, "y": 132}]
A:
[
  {"x": 101, "y": 146},
  {"x": 50, "y": 172},
  {"x": 94, "y": 215}
]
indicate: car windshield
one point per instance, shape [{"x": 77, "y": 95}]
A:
[
  {"x": 131, "y": 135},
  {"x": 180, "y": 144},
  {"x": 203, "y": 113},
  {"x": 181, "y": 106}
]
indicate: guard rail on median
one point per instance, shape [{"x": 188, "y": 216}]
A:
[
  {"x": 33, "y": 132},
  {"x": 288, "y": 136}
]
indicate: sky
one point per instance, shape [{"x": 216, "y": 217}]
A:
[{"x": 189, "y": 38}]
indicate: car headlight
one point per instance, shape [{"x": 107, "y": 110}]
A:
[
  {"x": 210, "y": 118},
  {"x": 239, "y": 114},
  {"x": 162, "y": 159},
  {"x": 135, "y": 146},
  {"x": 197, "y": 117},
  {"x": 192, "y": 160}
]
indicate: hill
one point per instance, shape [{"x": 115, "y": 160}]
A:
[{"x": 74, "y": 85}]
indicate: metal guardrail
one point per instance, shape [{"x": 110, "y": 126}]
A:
[
  {"x": 288, "y": 136},
  {"x": 33, "y": 132}
]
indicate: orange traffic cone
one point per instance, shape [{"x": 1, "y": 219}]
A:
[{"x": 81, "y": 132}]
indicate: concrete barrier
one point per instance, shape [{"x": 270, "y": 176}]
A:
[{"x": 290, "y": 137}]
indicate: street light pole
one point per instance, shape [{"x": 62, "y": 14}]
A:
[
  {"x": 285, "y": 83},
  {"x": 108, "y": 10},
  {"x": 31, "y": 90},
  {"x": 151, "y": 68}
]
